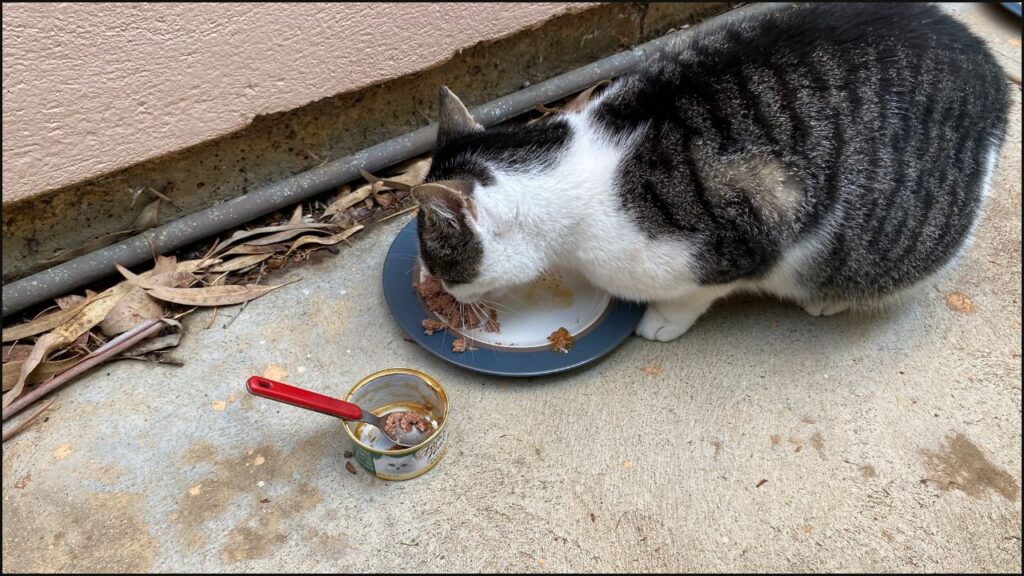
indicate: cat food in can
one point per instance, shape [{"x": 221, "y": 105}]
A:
[{"x": 388, "y": 391}]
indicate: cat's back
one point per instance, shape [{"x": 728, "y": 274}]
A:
[
  {"x": 819, "y": 46},
  {"x": 881, "y": 121}
]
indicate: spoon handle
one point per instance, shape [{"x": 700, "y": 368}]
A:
[{"x": 282, "y": 392}]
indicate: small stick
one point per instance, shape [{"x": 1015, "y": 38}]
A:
[
  {"x": 100, "y": 355},
  {"x": 21, "y": 426},
  {"x": 399, "y": 213},
  {"x": 246, "y": 303},
  {"x": 213, "y": 318}
]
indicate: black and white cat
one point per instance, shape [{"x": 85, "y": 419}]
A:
[{"x": 829, "y": 154}]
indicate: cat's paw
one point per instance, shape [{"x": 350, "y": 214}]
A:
[
  {"x": 654, "y": 326},
  {"x": 825, "y": 309}
]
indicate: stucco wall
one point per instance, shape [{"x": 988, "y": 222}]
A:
[{"x": 90, "y": 88}]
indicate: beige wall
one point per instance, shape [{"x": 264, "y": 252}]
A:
[{"x": 91, "y": 88}]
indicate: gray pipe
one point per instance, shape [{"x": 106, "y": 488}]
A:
[{"x": 74, "y": 274}]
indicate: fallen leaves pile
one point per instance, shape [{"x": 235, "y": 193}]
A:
[{"x": 138, "y": 318}]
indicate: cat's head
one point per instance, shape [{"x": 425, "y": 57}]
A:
[{"x": 469, "y": 244}]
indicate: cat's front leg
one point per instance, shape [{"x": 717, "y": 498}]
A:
[{"x": 667, "y": 320}]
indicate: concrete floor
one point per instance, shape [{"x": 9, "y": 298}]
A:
[{"x": 887, "y": 443}]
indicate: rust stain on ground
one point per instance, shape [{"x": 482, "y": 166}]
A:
[
  {"x": 775, "y": 440},
  {"x": 960, "y": 465},
  {"x": 808, "y": 420},
  {"x": 818, "y": 443},
  {"x": 244, "y": 476},
  {"x": 797, "y": 443},
  {"x": 867, "y": 471},
  {"x": 86, "y": 532}
]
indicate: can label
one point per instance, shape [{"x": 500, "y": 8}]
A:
[{"x": 404, "y": 466}]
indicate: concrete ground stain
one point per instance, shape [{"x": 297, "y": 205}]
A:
[
  {"x": 84, "y": 532},
  {"x": 718, "y": 447},
  {"x": 108, "y": 474},
  {"x": 262, "y": 538},
  {"x": 818, "y": 443},
  {"x": 275, "y": 372},
  {"x": 797, "y": 443},
  {"x": 200, "y": 452},
  {"x": 960, "y": 465},
  {"x": 61, "y": 452},
  {"x": 867, "y": 471},
  {"x": 246, "y": 474}
]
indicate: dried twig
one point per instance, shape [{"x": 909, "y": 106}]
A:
[
  {"x": 24, "y": 424},
  {"x": 213, "y": 317},
  {"x": 246, "y": 303},
  {"x": 399, "y": 213},
  {"x": 112, "y": 348}
]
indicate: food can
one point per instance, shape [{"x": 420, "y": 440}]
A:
[{"x": 387, "y": 391}]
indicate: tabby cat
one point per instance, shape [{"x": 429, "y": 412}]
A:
[{"x": 828, "y": 154}]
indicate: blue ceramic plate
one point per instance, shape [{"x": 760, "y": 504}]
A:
[
  {"x": 1012, "y": 7},
  {"x": 527, "y": 316}
]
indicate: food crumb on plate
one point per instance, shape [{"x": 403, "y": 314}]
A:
[{"x": 561, "y": 340}]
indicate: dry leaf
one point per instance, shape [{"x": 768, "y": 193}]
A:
[
  {"x": 154, "y": 345},
  {"x": 243, "y": 234},
  {"x": 134, "y": 309},
  {"x": 15, "y": 352},
  {"x": 65, "y": 302},
  {"x": 210, "y": 295},
  {"x": 577, "y": 103},
  {"x": 42, "y": 372},
  {"x": 383, "y": 182},
  {"x": 386, "y": 200},
  {"x": 45, "y": 344},
  {"x": 413, "y": 172},
  {"x": 43, "y": 324},
  {"x": 285, "y": 235},
  {"x": 326, "y": 241},
  {"x": 241, "y": 262},
  {"x": 246, "y": 249},
  {"x": 296, "y": 216},
  {"x": 149, "y": 217},
  {"x": 165, "y": 280},
  {"x": 352, "y": 198},
  {"x": 137, "y": 307},
  {"x": 91, "y": 246}
]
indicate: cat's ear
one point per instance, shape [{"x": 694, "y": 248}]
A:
[
  {"x": 453, "y": 119},
  {"x": 439, "y": 200}
]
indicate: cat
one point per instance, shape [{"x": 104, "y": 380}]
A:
[{"x": 828, "y": 154}]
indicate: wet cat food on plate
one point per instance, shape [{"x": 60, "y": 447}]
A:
[
  {"x": 561, "y": 340},
  {"x": 440, "y": 302}
]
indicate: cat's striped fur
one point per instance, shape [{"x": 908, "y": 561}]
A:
[{"x": 828, "y": 153}]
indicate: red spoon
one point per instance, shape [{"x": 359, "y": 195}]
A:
[{"x": 396, "y": 432}]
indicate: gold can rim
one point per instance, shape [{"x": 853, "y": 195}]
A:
[{"x": 429, "y": 380}]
